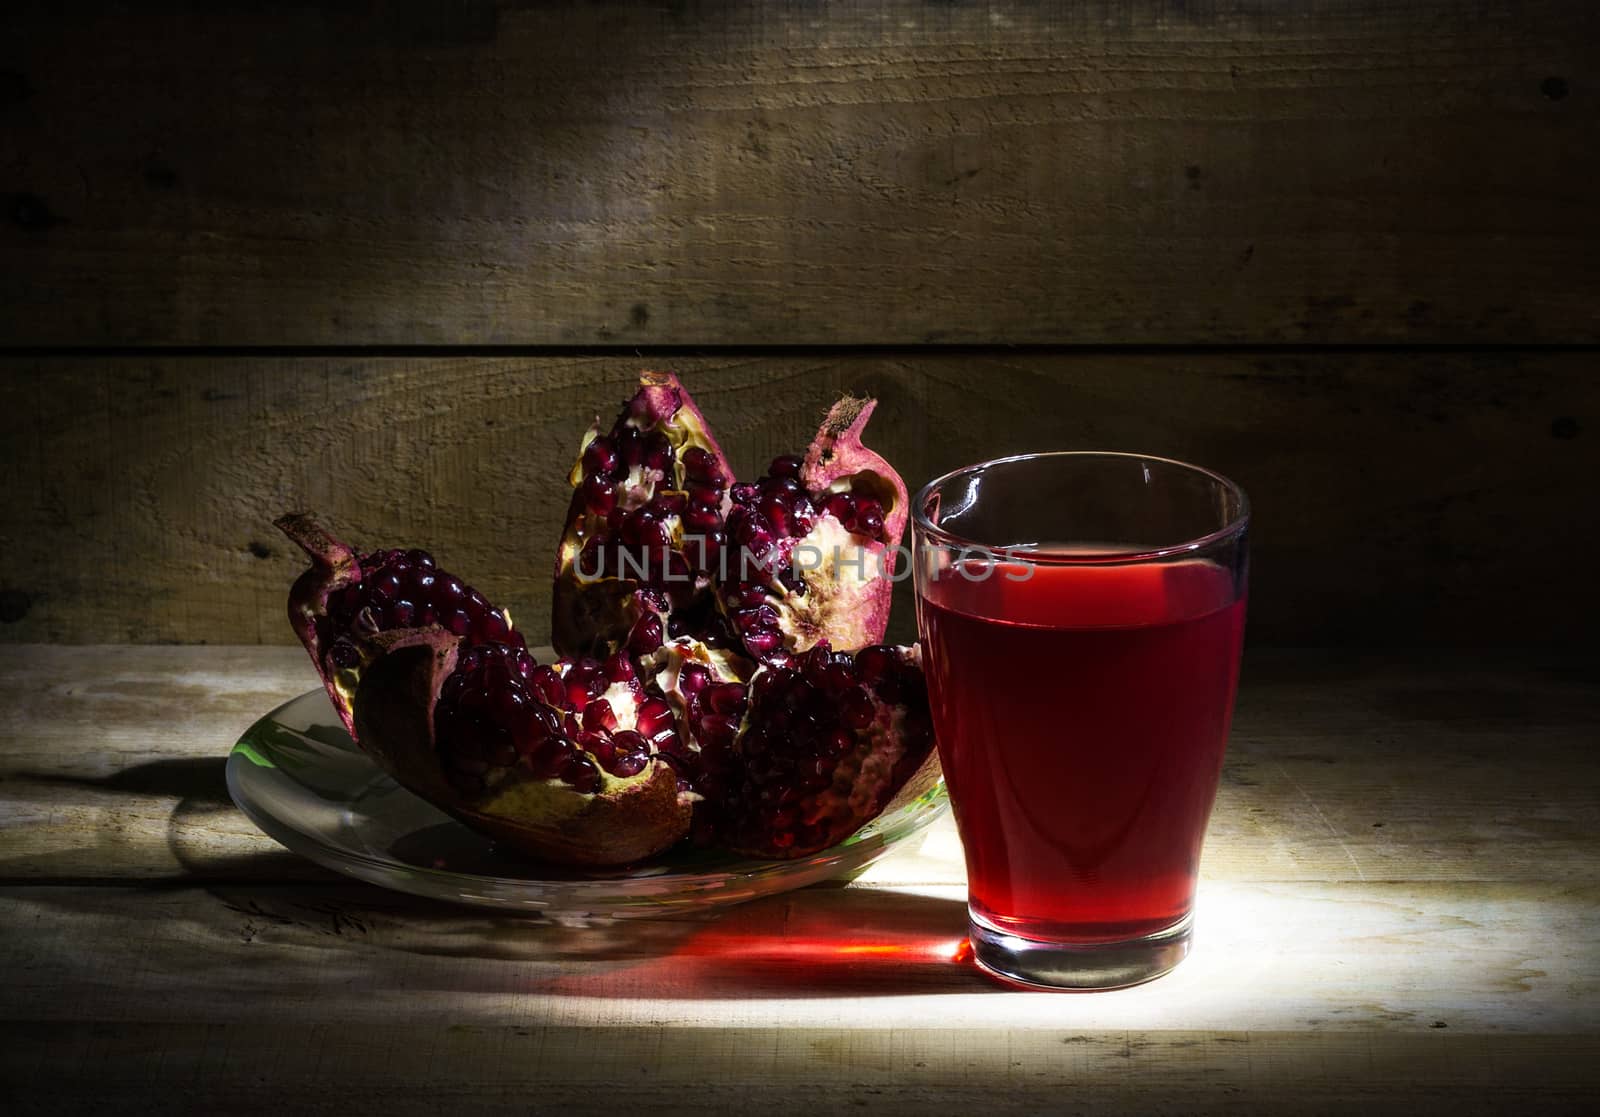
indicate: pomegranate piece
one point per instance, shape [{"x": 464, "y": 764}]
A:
[
  {"x": 828, "y": 741},
  {"x": 337, "y": 605},
  {"x": 818, "y": 541},
  {"x": 558, "y": 761},
  {"x": 708, "y": 690},
  {"x": 646, "y": 525}
]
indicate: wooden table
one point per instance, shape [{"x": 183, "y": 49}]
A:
[{"x": 1399, "y": 911}]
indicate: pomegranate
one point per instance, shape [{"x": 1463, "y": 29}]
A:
[
  {"x": 818, "y": 539},
  {"x": 828, "y": 740},
  {"x": 557, "y": 763},
  {"x": 746, "y": 698},
  {"x": 645, "y": 528},
  {"x": 341, "y": 601}
]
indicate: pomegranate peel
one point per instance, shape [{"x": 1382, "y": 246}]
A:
[{"x": 333, "y": 567}]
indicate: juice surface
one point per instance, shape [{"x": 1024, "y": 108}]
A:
[{"x": 1082, "y": 716}]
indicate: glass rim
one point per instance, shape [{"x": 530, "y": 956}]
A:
[{"x": 921, "y": 525}]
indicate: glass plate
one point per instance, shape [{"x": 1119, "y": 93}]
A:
[{"x": 300, "y": 778}]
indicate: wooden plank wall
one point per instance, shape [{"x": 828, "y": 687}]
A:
[
  {"x": 1400, "y": 497},
  {"x": 256, "y": 258},
  {"x": 1108, "y": 171}
]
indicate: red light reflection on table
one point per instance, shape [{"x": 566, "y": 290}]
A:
[{"x": 828, "y": 942}]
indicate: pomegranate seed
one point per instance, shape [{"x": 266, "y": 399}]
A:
[
  {"x": 875, "y": 662},
  {"x": 653, "y": 535},
  {"x": 344, "y": 654},
  {"x": 705, "y": 496},
  {"x": 524, "y": 664},
  {"x": 550, "y": 758},
  {"x": 646, "y": 635},
  {"x": 694, "y": 679},
  {"x": 654, "y": 718},
  {"x": 869, "y": 517},
  {"x": 658, "y": 453},
  {"x": 600, "y": 457},
  {"x": 580, "y": 773},
  {"x": 629, "y": 740},
  {"x": 775, "y": 514},
  {"x": 547, "y": 684},
  {"x": 700, "y": 523},
  {"x": 728, "y": 698},
  {"x": 856, "y": 709},
  {"x": 762, "y": 643},
  {"x": 697, "y": 461},
  {"x": 599, "y": 495},
  {"x": 836, "y": 679},
  {"x": 842, "y": 507},
  {"x": 420, "y": 558},
  {"x": 384, "y": 588},
  {"x": 598, "y": 716},
  {"x": 509, "y": 703},
  {"x": 716, "y": 729},
  {"x": 619, "y": 668},
  {"x": 744, "y": 492},
  {"x": 577, "y": 693},
  {"x": 787, "y": 466},
  {"x": 626, "y": 764},
  {"x": 458, "y": 622}
]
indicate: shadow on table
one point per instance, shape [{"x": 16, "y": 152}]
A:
[
  {"x": 202, "y": 836},
  {"x": 823, "y": 941}
]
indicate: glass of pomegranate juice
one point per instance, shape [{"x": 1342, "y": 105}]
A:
[{"x": 1082, "y": 616}]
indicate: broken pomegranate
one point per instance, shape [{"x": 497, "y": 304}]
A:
[
  {"x": 556, "y": 764},
  {"x": 827, "y": 743},
  {"x": 818, "y": 539},
  {"x": 337, "y": 605},
  {"x": 645, "y": 528}
]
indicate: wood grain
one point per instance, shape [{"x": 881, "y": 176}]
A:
[
  {"x": 1343, "y": 768},
  {"x": 1398, "y": 496},
  {"x": 1347, "y": 998},
  {"x": 1397, "y": 914},
  {"x": 1383, "y": 959},
  {"x": 1117, "y": 171},
  {"x": 405, "y": 1068}
]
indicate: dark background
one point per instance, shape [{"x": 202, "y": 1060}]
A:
[{"x": 387, "y": 260}]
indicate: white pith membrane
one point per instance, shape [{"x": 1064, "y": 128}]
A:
[
  {"x": 839, "y": 571},
  {"x": 667, "y": 664}
]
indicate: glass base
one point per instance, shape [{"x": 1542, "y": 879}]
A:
[{"x": 1036, "y": 964}]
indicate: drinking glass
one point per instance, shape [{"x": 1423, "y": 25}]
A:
[{"x": 1082, "y": 616}]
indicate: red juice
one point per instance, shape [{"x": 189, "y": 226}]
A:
[{"x": 1082, "y": 718}]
